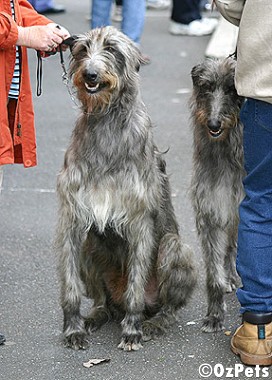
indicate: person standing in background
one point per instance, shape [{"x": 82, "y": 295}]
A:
[
  {"x": 21, "y": 27},
  {"x": 133, "y": 17},
  {"x": 252, "y": 341}
]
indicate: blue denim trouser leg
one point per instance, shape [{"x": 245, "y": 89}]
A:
[
  {"x": 101, "y": 11},
  {"x": 254, "y": 259},
  {"x": 133, "y": 16},
  {"x": 133, "y": 19},
  {"x": 41, "y": 5}
]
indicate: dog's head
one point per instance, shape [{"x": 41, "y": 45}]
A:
[
  {"x": 104, "y": 64},
  {"x": 215, "y": 103}
]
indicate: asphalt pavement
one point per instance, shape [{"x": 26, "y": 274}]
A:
[{"x": 30, "y": 314}]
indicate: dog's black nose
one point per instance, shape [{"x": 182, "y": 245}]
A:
[
  {"x": 214, "y": 125},
  {"x": 91, "y": 76}
]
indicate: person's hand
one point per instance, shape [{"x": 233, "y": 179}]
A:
[{"x": 42, "y": 37}]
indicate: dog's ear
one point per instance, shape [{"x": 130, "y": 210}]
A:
[
  {"x": 70, "y": 41},
  {"x": 142, "y": 60},
  {"x": 196, "y": 73}
]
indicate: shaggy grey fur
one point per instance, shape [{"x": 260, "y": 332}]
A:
[
  {"x": 117, "y": 232},
  {"x": 216, "y": 187}
]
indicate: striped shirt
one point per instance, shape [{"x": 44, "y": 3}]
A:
[{"x": 15, "y": 84}]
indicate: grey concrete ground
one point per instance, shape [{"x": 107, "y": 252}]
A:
[{"x": 30, "y": 315}]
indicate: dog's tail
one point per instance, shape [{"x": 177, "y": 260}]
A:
[{"x": 176, "y": 271}]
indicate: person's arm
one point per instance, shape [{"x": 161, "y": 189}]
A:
[
  {"x": 37, "y": 32},
  {"x": 8, "y": 31},
  {"x": 231, "y": 10}
]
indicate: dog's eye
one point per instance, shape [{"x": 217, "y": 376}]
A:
[
  {"x": 81, "y": 52},
  {"x": 207, "y": 86},
  {"x": 110, "y": 49}
]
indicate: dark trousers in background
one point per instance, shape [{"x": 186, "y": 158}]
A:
[{"x": 185, "y": 11}]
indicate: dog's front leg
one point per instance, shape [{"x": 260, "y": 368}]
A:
[
  {"x": 69, "y": 240},
  {"x": 139, "y": 264}
]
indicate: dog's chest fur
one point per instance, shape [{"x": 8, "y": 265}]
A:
[
  {"x": 115, "y": 201},
  {"x": 221, "y": 175},
  {"x": 120, "y": 179}
]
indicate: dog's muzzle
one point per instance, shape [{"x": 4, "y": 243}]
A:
[
  {"x": 215, "y": 128},
  {"x": 92, "y": 83}
]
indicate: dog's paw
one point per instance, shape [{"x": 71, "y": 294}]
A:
[
  {"x": 212, "y": 324},
  {"x": 91, "y": 325},
  {"x": 151, "y": 330},
  {"x": 130, "y": 343},
  {"x": 77, "y": 341},
  {"x": 97, "y": 318}
]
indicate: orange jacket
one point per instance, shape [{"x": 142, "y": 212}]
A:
[{"x": 25, "y": 16}]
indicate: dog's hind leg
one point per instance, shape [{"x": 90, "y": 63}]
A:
[
  {"x": 214, "y": 245},
  {"x": 69, "y": 243},
  {"x": 99, "y": 313},
  {"x": 176, "y": 278}
]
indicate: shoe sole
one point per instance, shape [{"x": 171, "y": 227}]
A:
[
  {"x": 190, "y": 34},
  {"x": 252, "y": 359}
]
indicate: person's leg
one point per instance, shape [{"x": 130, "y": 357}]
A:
[
  {"x": 133, "y": 19},
  {"x": 47, "y": 6},
  {"x": 252, "y": 341},
  {"x": 185, "y": 11},
  {"x": 186, "y": 19},
  {"x": 101, "y": 10},
  {"x": 32, "y": 2},
  {"x": 254, "y": 261},
  {"x": 42, "y": 5}
]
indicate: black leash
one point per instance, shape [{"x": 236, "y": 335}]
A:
[
  {"x": 65, "y": 76},
  {"x": 39, "y": 73}
]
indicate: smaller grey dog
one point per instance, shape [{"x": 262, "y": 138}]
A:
[
  {"x": 117, "y": 233},
  {"x": 218, "y": 171}
]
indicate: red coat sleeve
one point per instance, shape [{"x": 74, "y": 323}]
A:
[
  {"x": 25, "y": 15},
  {"x": 8, "y": 31},
  {"x": 30, "y": 17}
]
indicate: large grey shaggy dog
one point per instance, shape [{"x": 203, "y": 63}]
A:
[
  {"x": 216, "y": 187},
  {"x": 117, "y": 233}
]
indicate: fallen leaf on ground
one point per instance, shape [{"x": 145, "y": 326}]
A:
[{"x": 93, "y": 362}]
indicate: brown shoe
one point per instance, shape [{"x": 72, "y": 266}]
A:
[{"x": 253, "y": 343}]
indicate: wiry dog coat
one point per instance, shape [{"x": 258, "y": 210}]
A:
[
  {"x": 218, "y": 171},
  {"x": 117, "y": 232}
]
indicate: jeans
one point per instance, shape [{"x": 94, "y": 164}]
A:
[
  {"x": 254, "y": 259},
  {"x": 41, "y": 5},
  {"x": 133, "y": 13},
  {"x": 185, "y": 11}
]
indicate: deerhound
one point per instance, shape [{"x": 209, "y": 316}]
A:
[
  {"x": 216, "y": 186},
  {"x": 117, "y": 233}
]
